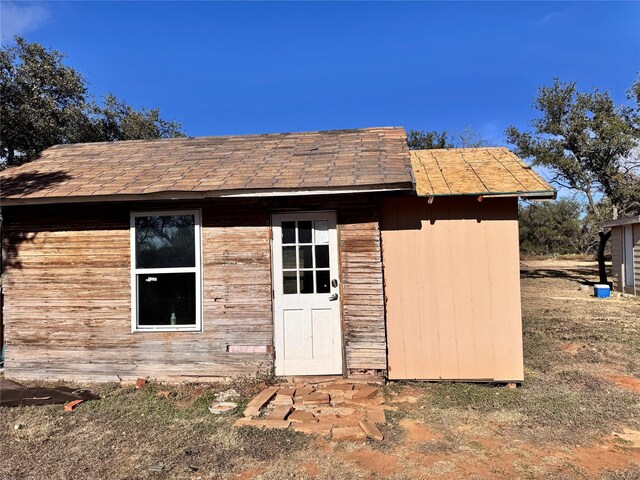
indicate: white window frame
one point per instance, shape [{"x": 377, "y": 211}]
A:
[{"x": 197, "y": 269}]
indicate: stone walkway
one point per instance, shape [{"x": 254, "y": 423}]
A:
[{"x": 346, "y": 410}]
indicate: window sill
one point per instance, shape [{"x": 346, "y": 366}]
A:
[{"x": 188, "y": 329}]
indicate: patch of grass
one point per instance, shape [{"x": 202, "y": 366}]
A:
[
  {"x": 632, "y": 473},
  {"x": 568, "y": 406},
  {"x": 267, "y": 444}
]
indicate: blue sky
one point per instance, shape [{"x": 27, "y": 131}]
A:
[{"x": 230, "y": 68}]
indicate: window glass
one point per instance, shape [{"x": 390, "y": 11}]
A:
[
  {"x": 165, "y": 241},
  {"x": 322, "y": 281},
  {"x": 304, "y": 232},
  {"x": 288, "y": 232},
  {"x": 306, "y": 281},
  {"x": 322, "y": 256},
  {"x": 289, "y": 282},
  {"x": 322, "y": 231},
  {"x": 288, "y": 257},
  {"x": 305, "y": 257},
  {"x": 167, "y": 299}
]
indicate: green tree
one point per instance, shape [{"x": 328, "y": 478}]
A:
[
  {"x": 41, "y": 101},
  {"x": 466, "y": 138},
  {"x": 590, "y": 145},
  {"x": 45, "y": 102},
  {"x": 551, "y": 228}
]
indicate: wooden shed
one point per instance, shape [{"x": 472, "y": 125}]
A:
[
  {"x": 625, "y": 254},
  {"x": 200, "y": 258}
]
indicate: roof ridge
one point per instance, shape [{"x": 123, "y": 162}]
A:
[{"x": 239, "y": 135}]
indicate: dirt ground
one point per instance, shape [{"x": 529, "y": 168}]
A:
[{"x": 577, "y": 415}]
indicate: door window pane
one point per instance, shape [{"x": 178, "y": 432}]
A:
[
  {"x": 322, "y": 231},
  {"x": 288, "y": 257},
  {"x": 322, "y": 281},
  {"x": 289, "y": 282},
  {"x": 304, "y": 232},
  {"x": 322, "y": 256},
  {"x": 167, "y": 299},
  {"x": 305, "y": 259},
  {"x": 165, "y": 241},
  {"x": 288, "y": 232},
  {"x": 306, "y": 282}
]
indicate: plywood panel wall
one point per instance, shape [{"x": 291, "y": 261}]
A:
[{"x": 452, "y": 289}]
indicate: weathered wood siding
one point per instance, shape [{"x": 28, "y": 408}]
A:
[
  {"x": 617, "y": 249},
  {"x": 616, "y": 258},
  {"x": 67, "y": 290},
  {"x": 452, "y": 289}
]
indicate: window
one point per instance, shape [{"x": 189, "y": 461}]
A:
[
  {"x": 165, "y": 271},
  {"x": 305, "y": 257}
]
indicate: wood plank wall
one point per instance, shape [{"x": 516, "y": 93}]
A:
[
  {"x": 67, "y": 291},
  {"x": 616, "y": 258},
  {"x": 452, "y": 289}
]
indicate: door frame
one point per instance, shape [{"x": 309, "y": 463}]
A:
[{"x": 276, "y": 276}]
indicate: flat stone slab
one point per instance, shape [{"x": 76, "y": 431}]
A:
[
  {"x": 282, "y": 399},
  {"x": 298, "y": 416},
  {"x": 280, "y": 412},
  {"x": 316, "y": 428},
  {"x": 375, "y": 415},
  {"x": 316, "y": 398},
  {"x": 371, "y": 430},
  {"x": 365, "y": 393},
  {"x": 348, "y": 434},
  {"x": 259, "y": 401}
]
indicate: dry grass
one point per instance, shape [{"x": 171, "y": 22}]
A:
[{"x": 558, "y": 425}]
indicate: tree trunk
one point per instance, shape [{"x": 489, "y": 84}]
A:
[{"x": 602, "y": 270}]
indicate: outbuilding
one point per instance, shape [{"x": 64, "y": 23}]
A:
[
  {"x": 625, "y": 254},
  {"x": 317, "y": 253}
]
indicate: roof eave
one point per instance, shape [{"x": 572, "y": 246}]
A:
[
  {"x": 191, "y": 195},
  {"x": 620, "y": 222}
]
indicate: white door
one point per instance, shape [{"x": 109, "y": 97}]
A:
[{"x": 308, "y": 338}]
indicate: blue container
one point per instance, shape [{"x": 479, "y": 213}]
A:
[{"x": 602, "y": 291}]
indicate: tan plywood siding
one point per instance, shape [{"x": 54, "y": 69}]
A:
[
  {"x": 452, "y": 289},
  {"x": 67, "y": 291},
  {"x": 616, "y": 258}
]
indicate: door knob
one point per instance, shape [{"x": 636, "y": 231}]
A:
[{"x": 333, "y": 297}]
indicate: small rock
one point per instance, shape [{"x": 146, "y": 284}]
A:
[
  {"x": 18, "y": 426},
  {"x": 222, "y": 407}
]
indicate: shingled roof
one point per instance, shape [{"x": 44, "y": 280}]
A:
[
  {"x": 492, "y": 171},
  {"x": 270, "y": 164}
]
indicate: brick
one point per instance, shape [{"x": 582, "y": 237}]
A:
[
  {"x": 371, "y": 430},
  {"x": 140, "y": 382},
  {"x": 365, "y": 393},
  {"x": 298, "y": 416},
  {"x": 280, "y": 412},
  {"x": 348, "y": 434}
]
